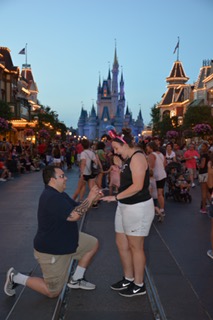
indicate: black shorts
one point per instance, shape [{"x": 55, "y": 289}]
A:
[
  {"x": 161, "y": 183},
  {"x": 88, "y": 177}
]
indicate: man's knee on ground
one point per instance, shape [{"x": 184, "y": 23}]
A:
[{"x": 53, "y": 294}]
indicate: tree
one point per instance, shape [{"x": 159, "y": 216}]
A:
[
  {"x": 155, "y": 120},
  {"x": 48, "y": 119},
  {"x": 196, "y": 115},
  {"x": 5, "y": 111},
  {"x": 165, "y": 125}
]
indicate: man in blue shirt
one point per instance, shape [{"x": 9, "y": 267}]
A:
[{"x": 58, "y": 240}]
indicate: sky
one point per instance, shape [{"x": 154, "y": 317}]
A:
[{"x": 70, "y": 43}]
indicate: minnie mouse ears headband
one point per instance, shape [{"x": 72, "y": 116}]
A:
[{"x": 114, "y": 135}]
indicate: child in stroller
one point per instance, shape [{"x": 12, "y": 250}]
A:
[{"x": 178, "y": 183}]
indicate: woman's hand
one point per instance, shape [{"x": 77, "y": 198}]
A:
[{"x": 109, "y": 198}]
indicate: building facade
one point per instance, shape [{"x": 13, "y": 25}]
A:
[
  {"x": 19, "y": 90},
  {"x": 180, "y": 95},
  {"x": 110, "y": 109}
]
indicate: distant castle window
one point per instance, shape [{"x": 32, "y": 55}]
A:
[{"x": 105, "y": 92}]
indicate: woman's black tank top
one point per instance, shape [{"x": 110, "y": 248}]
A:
[{"x": 126, "y": 181}]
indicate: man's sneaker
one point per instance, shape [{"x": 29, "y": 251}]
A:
[
  {"x": 81, "y": 284},
  {"x": 193, "y": 185},
  {"x": 203, "y": 211},
  {"x": 210, "y": 254},
  {"x": 133, "y": 290},
  {"x": 9, "y": 284},
  {"x": 121, "y": 285}
]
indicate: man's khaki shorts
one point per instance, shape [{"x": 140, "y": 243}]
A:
[{"x": 55, "y": 267}]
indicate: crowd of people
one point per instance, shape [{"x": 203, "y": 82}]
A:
[{"x": 135, "y": 175}]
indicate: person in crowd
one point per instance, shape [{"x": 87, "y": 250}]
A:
[
  {"x": 5, "y": 146},
  {"x": 154, "y": 194},
  {"x": 134, "y": 214},
  {"x": 104, "y": 164},
  {"x": 170, "y": 154},
  {"x": 19, "y": 148},
  {"x": 203, "y": 176},
  {"x": 42, "y": 148},
  {"x": 56, "y": 153},
  {"x": 157, "y": 163},
  {"x": 68, "y": 156},
  {"x": 87, "y": 156},
  {"x": 114, "y": 174},
  {"x": 58, "y": 240},
  {"x": 12, "y": 164},
  {"x": 210, "y": 173},
  {"x": 178, "y": 152},
  {"x": 49, "y": 157},
  {"x": 79, "y": 149},
  {"x": 86, "y": 176},
  {"x": 182, "y": 183},
  {"x": 161, "y": 148},
  {"x": 210, "y": 251},
  {"x": 210, "y": 144},
  {"x": 5, "y": 173},
  {"x": 63, "y": 153},
  {"x": 191, "y": 156}
]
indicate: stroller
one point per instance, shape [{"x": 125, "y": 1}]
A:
[{"x": 178, "y": 183}]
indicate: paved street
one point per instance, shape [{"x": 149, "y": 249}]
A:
[{"x": 176, "y": 259}]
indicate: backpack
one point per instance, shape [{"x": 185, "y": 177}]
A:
[{"x": 93, "y": 167}]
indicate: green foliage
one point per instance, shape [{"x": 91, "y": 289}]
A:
[
  {"x": 196, "y": 115},
  {"x": 5, "y": 111},
  {"x": 48, "y": 119},
  {"x": 165, "y": 125},
  {"x": 155, "y": 120}
]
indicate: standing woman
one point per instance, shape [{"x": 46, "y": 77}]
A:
[
  {"x": 170, "y": 154},
  {"x": 203, "y": 176},
  {"x": 56, "y": 153},
  {"x": 157, "y": 163},
  {"x": 134, "y": 214}
]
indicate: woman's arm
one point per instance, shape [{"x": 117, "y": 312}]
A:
[
  {"x": 138, "y": 167},
  {"x": 203, "y": 162},
  {"x": 151, "y": 160}
]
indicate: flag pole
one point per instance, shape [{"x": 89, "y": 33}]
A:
[
  {"x": 178, "y": 48},
  {"x": 26, "y": 54}
]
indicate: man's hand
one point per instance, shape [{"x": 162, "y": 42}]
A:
[{"x": 94, "y": 195}]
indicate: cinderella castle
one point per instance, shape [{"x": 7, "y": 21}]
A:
[{"x": 111, "y": 109}]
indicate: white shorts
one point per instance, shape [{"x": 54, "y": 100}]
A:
[
  {"x": 203, "y": 177},
  {"x": 134, "y": 219},
  {"x": 56, "y": 160}
]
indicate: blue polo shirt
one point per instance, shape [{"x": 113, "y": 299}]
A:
[{"x": 56, "y": 235}]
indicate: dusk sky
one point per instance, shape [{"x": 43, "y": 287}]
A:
[{"x": 69, "y": 43}]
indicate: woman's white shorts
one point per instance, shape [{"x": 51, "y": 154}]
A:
[{"x": 134, "y": 219}]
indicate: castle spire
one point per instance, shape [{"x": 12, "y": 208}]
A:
[{"x": 115, "y": 58}]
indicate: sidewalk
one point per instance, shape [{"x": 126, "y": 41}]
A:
[
  {"x": 176, "y": 259},
  {"x": 18, "y": 224}
]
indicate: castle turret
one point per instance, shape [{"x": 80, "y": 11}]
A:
[
  {"x": 109, "y": 80},
  {"x": 122, "y": 95},
  {"x": 115, "y": 71}
]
